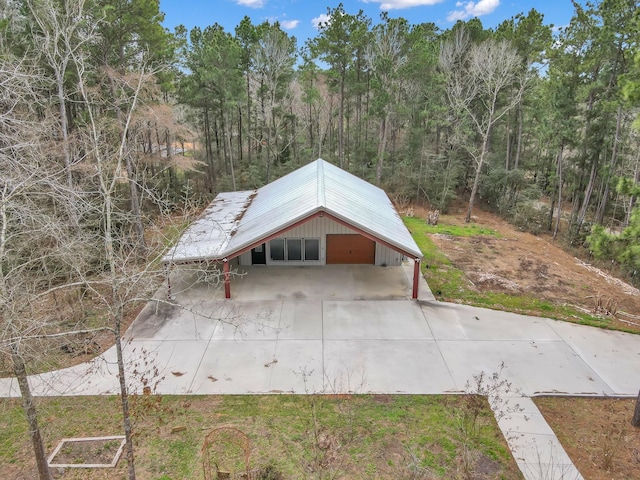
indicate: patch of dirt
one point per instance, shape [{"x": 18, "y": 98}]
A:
[
  {"x": 519, "y": 262},
  {"x": 486, "y": 468},
  {"x": 597, "y": 435},
  {"x": 88, "y": 452}
]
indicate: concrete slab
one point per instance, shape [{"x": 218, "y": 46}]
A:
[
  {"x": 542, "y": 457},
  {"x": 301, "y": 320},
  {"x": 251, "y": 321},
  {"x": 255, "y": 367},
  {"x": 614, "y": 356},
  {"x": 386, "y": 366},
  {"x": 381, "y": 320},
  {"x": 176, "y": 361},
  {"x": 533, "y": 366},
  {"x": 299, "y": 367},
  {"x": 533, "y": 443},
  {"x": 196, "y": 322},
  {"x": 93, "y": 378},
  {"x": 450, "y": 321},
  {"x": 9, "y": 388},
  {"x": 338, "y": 282},
  {"x": 234, "y": 367}
]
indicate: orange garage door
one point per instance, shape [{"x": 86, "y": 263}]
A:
[{"x": 350, "y": 248}]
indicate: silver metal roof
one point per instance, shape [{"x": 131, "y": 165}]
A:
[
  {"x": 236, "y": 220},
  {"x": 209, "y": 235}
]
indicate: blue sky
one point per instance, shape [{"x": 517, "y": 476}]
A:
[{"x": 299, "y": 17}]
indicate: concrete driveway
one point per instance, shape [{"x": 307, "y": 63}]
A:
[
  {"x": 355, "y": 329},
  {"x": 319, "y": 337}
]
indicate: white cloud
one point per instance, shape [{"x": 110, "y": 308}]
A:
[
  {"x": 559, "y": 28},
  {"x": 473, "y": 9},
  {"x": 289, "y": 24},
  {"x": 322, "y": 18},
  {"x": 400, "y": 4},
  {"x": 251, "y": 3}
]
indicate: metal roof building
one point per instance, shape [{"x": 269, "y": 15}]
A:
[{"x": 315, "y": 215}]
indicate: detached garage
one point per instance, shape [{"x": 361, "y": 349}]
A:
[{"x": 316, "y": 215}]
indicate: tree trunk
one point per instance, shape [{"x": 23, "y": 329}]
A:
[
  {"x": 169, "y": 146},
  {"x": 507, "y": 160},
  {"x": 341, "y": 124},
  {"x": 124, "y": 398},
  {"x": 550, "y": 221},
  {"x": 560, "y": 171},
  {"x": 476, "y": 180},
  {"x": 587, "y": 195},
  {"x": 240, "y": 137},
  {"x": 211, "y": 176},
  {"x": 133, "y": 185},
  {"x": 474, "y": 190},
  {"x": 516, "y": 163},
  {"x": 135, "y": 206},
  {"x": 382, "y": 146},
  {"x": 310, "y": 113},
  {"x": 248, "y": 120},
  {"x": 64, "y": 128},
  {"x": 614, "y": 159},
  {"x": 227, "y": 138},
  {"x": 442, "y": 204},
  {"x": 420, "y": 176},
  {"x": 632, "y": 200},
  {"x": 31, "y": 413}
]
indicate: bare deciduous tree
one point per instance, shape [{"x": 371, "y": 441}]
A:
[
  {"x": 386, "y": 56},
  {"x": 37, "y": 254},
  {"x": 106, "y": 142},
  {"x": 483, "y": 82},
  {"x": 273, "y": 59},
  {"x": 61, "y": 33}
]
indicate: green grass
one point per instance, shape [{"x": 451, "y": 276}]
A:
[
  {"x": 469, "y": 230},
  {"x": 449, "y": 283},
  {"x": 304, "y": 436},
  {"x": 446, "y": 281}
]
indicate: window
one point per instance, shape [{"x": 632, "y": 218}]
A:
[
  {"x": 312, "y": 249},
  {"x": 295, "y": 249},
  {"x": 277, "y": 249}
]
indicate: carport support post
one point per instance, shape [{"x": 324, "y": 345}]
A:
[
  {"x": 227, "y": 283},
  {"x": 416, "y": 277}
]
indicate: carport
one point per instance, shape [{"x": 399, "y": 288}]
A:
[{"x": 314, "y": 216}]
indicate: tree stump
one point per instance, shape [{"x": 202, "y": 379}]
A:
[{"x": 433, "y": 216}]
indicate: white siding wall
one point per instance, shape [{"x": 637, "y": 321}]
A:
[
  {"x": 319, "y": 227},
  {"x": 245, "y": 258},
  {"x": 386, "y": 256}
]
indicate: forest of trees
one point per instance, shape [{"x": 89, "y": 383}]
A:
[
  {"x": 529, "y": 120},
  {"x": 108, "y": 121}
]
